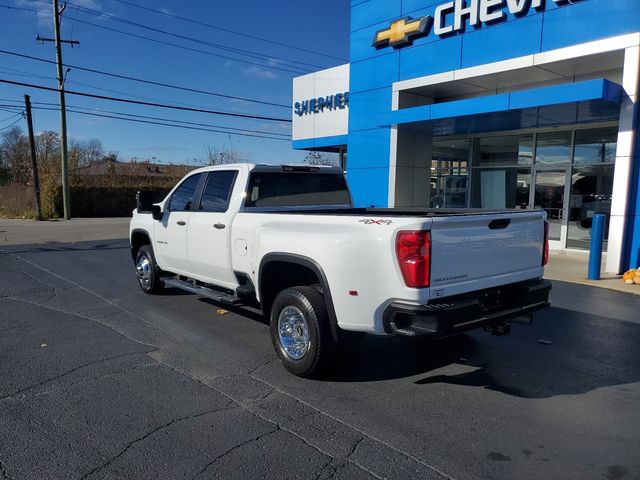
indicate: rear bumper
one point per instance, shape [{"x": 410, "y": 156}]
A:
[{"x": 457, "y": 314}]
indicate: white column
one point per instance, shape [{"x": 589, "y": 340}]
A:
[
  {"x": 393, "y": 153},
  {"x": 393, "y": 160},
  {"x": 624, "y": 159}
]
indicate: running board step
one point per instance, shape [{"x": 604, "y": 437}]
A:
[{"x": 216, "y": 295}]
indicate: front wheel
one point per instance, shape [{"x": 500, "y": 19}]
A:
[
  {"x": 147, "y": 271},
  {"x": 300, "y": 331}
]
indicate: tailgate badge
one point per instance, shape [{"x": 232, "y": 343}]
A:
[{"x": 371, "y": 221}]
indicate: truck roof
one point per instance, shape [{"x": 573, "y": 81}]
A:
[{"x": 266, "y": 167}]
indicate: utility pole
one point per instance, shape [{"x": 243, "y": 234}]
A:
[
  {"x": 34, "y": 160},
  {"x": 57, "y": 13}
]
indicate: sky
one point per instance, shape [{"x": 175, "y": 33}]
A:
[{"x": 265, "y": 74}]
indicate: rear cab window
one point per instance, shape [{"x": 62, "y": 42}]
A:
[{"x": 296, "y": 189}]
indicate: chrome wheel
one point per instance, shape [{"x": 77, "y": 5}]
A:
[
  {"x": 293, "y": 332},
  {"x": 143, "y": 271}
]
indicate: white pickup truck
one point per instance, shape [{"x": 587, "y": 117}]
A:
[{"x": 287, "y": 239}]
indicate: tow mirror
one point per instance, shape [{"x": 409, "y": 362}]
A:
[
  {"x": 144, "y": 204},
  {"x": 144, "y": 201},
  {"x": 156, "y": 212}
]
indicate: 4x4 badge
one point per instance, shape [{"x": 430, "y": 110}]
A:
[{"x": 371, "y": 221}]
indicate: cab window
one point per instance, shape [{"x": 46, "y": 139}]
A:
[
  {"x": 183, "y": 196},
  {"x": 217, "y": 191}
]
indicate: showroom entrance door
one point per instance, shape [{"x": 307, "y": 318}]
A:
[{"x": 551, "y": 185}]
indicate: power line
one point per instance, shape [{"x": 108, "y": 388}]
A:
[
  {"x": 162, "y": 121},
  {"x": 149, "y": 104},
  {"x": 135, "y": 120},
  {"x": 188, "y": 38},
  {"x": 22, "y": 73},
  {"x": 6, "y": 108},
  {"x": 215, "y": 27},
  {"x": 147, "y": 117},
  {"x": 9, "y": 118},
  {"x": 9, "y": 126},
  {"x": 299, "y": 70},
  {"x": 141, "y": 80}
]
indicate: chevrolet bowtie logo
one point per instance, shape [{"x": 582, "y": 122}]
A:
[{"x": 402, "y": 32}]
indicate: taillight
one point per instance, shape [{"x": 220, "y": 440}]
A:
[
  {"x": 545, "y": 248},
  {"x": 413, "y": 249}
]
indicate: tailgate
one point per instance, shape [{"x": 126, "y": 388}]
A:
[{"x": 476, "y": 251}]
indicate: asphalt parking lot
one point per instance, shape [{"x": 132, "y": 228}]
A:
[{"x": 99, "y": 380}]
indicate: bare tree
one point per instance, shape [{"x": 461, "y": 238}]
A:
[
  {"x": 216, "y": 156},
  {"x": 85, "y": 152},
  {"x": 48, "y": 152},
  {"x": 111, "y": 156},
  {"x": 320, "y": 158},
  {"x": 16, "y": 159},
  {"x": 93, "y": 151}
]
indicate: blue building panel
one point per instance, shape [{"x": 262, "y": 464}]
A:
[
  {"x": 434, "y": 57},
  {"x": 367, "y": 109},
  {"x": 414, "y": 8},
  {"x": 374, "y": 11},
  {"x": 360, "y": 46},
  {"x": 369, "y": 186},
  {"x": 369, "y": 148},
  {"x": 320, "y": 142},
  {"x": 374, "y": 73},
  {"x": 589, "y": 20},
  {"x": 632, "y": 245},
  {"x": 515, "y": 38}
]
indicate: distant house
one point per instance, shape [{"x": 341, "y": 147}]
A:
[{"x": 131, "y": 173}]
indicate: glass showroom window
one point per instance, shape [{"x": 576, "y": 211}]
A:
[
  {"x": 501, "y": 176},
  {"x": 553, "y": 148},
  {"x": 449, "y": 174},
  {"x": 591, "y": 183}
]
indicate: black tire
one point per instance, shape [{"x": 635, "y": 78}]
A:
[
  {"x": 321, "y": 347},
  {"x": 148, "y": 277}
]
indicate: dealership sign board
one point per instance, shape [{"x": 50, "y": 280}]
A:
[
  {"x": 317, "y": 105},
  {"x": 453, "y": 16},
  {"x": 321, "y": 104}
]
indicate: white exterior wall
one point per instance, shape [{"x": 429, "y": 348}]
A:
[
  {"x": 624, "y": 159},
  {"x": 328, "y": 122}
]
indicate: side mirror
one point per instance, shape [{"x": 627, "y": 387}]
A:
[
  {"x": 144, "y": 201},
  {"x": 144, "y": 204},
  {"x": 156, "y": 212}
]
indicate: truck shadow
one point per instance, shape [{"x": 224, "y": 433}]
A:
[
  {"x": 118, "y": 244},
  {"x": 563, "y": 353}
]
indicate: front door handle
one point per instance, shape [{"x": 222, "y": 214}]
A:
[
  {"x": 219, "y": 226},
  {"x": 182, "y": 223}
]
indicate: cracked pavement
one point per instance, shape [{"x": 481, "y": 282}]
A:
[{"x": 99, "y": 380}]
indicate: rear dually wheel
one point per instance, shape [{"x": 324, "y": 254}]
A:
[{"x": 301, "y": 332}]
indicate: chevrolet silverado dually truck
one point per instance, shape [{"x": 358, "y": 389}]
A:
[{"x": 288, "y": 240}]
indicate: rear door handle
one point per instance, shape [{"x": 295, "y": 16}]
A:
[
  {"x": 182, "y": 223},
  {"x": 219, "y": 226}
]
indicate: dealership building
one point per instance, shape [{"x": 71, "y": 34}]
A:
[{"x": 489, "y": 104}]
